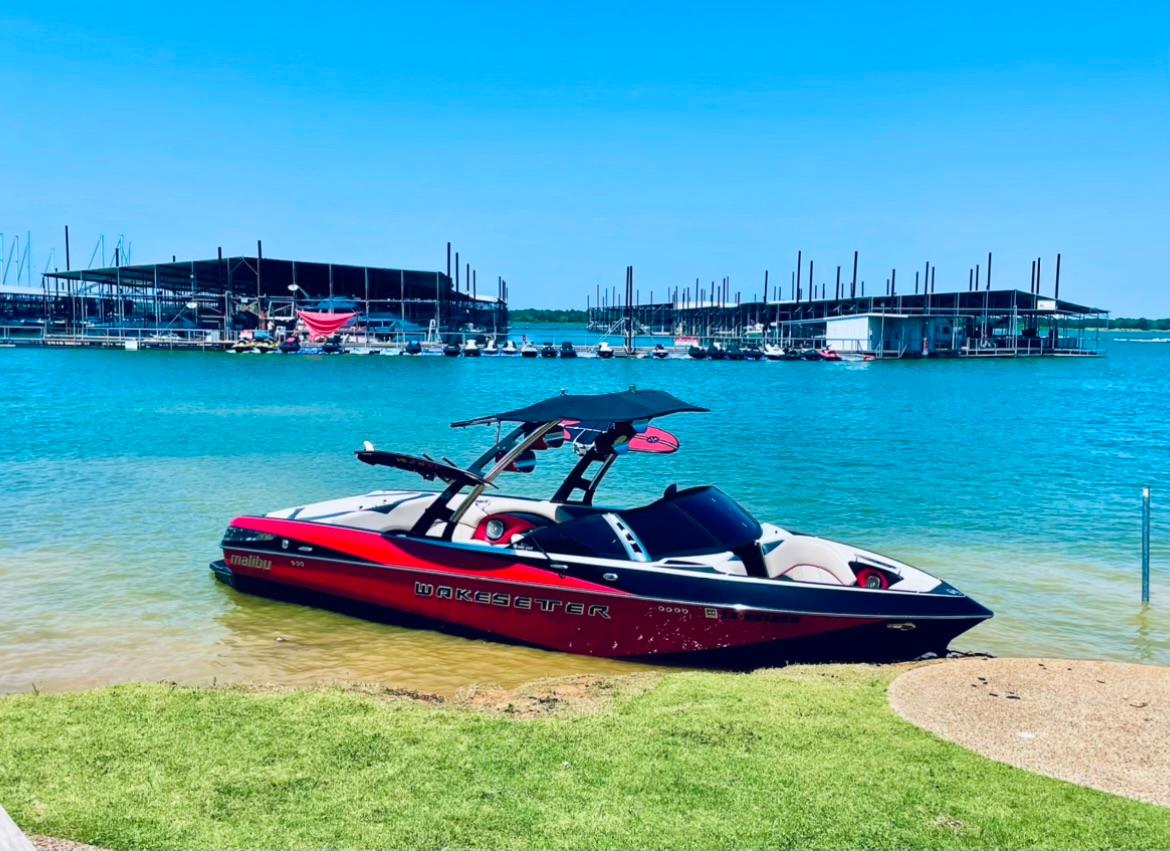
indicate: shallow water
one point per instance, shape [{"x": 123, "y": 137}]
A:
[{"x": 1018, "y": 481}]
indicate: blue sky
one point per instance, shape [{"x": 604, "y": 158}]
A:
[{"x": 556, "y": 145}]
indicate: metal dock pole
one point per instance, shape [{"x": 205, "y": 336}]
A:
[{"x": 1145, "y": 545}]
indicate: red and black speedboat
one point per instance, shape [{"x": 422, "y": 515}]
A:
[{"x": 690, "y": 572}]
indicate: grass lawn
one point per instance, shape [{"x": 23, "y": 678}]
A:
[{"x": 806, "y": 757}]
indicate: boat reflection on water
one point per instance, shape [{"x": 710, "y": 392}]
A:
[{"x": 273, "y": 639}]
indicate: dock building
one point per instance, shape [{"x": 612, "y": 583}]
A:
[{"x": 974, "y": 323}]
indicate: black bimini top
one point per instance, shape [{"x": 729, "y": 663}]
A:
[{"x": 631, "y": 406}]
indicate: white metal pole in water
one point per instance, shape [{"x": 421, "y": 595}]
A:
[{"x": 1145, "y": 544}]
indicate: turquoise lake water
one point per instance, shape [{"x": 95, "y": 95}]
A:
[{"x": 1018, "y": 481}]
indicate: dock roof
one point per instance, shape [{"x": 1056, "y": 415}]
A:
[
  {"x": 269, "y": 276},
  {"x": 965, "y": 301}
]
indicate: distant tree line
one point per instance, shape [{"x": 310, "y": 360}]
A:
[
  {"x": 1122, "y": 323},
  {"x": 536, "y": 316}
]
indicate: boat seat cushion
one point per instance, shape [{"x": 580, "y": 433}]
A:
[
  {"x": 807, "y": 559},
  {"x": 376, "y": 512},
  {"x": 485, "y": 506},
  {"x": 402, "y": 516},
  {"x": 374, "y": 521},
  {"x": 514, "y": 505}
]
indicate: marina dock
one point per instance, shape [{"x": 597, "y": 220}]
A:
[
  {"x": 225, "y": 302},
  {"x": 209, "y": 303},
  {"x": 976, "y": 322}
]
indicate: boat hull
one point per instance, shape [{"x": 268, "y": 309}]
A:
[
  {"x": 641, "y": 629},
  {"x": 577, "y": 609}
]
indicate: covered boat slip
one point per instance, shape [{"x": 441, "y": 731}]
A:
[
  {"x": 991, "y": 323},
  {"x": 212, "y": 300},
  {"x": 971, "y": 323}
]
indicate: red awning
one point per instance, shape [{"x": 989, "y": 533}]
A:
[{"x": 324, "y": 324}]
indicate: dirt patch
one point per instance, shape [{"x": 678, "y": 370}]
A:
[
  {"x": 582, "y": 693},
  {"x": 49, "y": 843},
  {"x": 575, "y": 695},
  {"x": 1099, "y": 724},
  {"x": 369, "y": 689}
]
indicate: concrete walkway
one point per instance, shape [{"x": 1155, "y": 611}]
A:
[
  {"x": 1099, "y": 724},
  {"x": 11, "y": 838}
]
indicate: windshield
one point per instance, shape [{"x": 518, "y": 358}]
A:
[{"x": 691, "y": 522}]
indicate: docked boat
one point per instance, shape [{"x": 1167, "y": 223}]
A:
[
  {"x": 697, "y": 352},
  {"x": 333, "y": 346},
  {"x": 753, "y": 352},
  {"x": 689, "y": 572},
  {"x": 604, "y": 350},
  {"x": 528, "y": 350},
  {"x": 491, "y": 348},
  {"x": 734, "y": 352},
  {"x": 451, "y": 350},
  {"x": 471, "y": 348},
  {"x": 414, "y": 347},
  {"x": 509, "y": 349},
  {"x": 773, "y": 352},
  {"x": 548, "y": 350},
  {"x": 716, "y": 352},
  {"x": 856, "y": 357},
  {"x": 259, "y": 343},
  {"x": 828, "y": 354},
  {"x": 290, "y": 345},
  {"x": 659, "y": 352},
  {"x": 567, "y": 350}
]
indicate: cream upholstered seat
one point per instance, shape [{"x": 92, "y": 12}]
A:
[
  {"x": 407, "y": 511},
  {"x": 807, "y": 559},
  {"x": 485, "y": 506}
]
